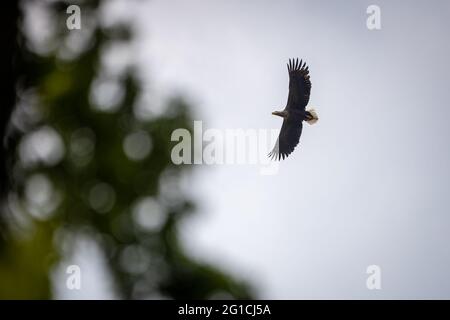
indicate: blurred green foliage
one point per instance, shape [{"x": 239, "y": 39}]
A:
[{"x": 83, "y": 163}]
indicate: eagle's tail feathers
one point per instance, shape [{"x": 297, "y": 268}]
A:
[{"x": 315, "y": 117}]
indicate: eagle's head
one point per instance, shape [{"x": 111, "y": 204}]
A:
[{"x": 282, "y": 114}]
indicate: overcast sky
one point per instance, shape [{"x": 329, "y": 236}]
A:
[{"x": 369, "y": 183}]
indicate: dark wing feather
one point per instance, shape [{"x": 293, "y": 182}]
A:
[
  {"x": 299, "y": 85},
  {"x": 287, "y": 140}
]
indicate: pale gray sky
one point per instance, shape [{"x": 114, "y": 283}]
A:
[{"x": 369, "y": 183}]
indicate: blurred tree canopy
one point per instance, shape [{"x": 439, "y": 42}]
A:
[{"x": 86, "y": 156}]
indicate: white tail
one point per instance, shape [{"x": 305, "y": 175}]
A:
[{"x": 315, "y": 116}]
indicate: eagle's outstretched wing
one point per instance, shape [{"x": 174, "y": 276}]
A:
[
  {"x": 298, "y": 98},
  {"x": 288, "y": 139},
  {"x": 299, "y": 85}
]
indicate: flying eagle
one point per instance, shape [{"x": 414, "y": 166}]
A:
[{"x": 295, "y": 111}]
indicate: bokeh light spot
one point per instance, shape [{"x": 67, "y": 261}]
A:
[
  {"x": 40, "y": 196},
  {"x": 102, "y": 197},
  {"x": 148, "y": 214},
  {"x": 43, "y": 145},
  {"x": 137, "y": 145}
]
